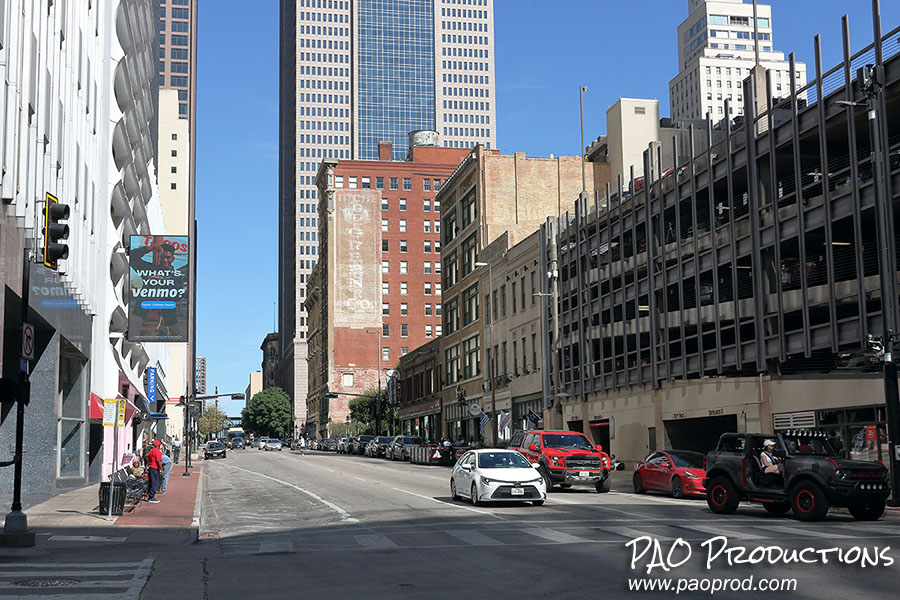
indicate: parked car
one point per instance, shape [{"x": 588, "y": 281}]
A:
[
  {"x": 254, "y": 443},
  {"x": 348, "y": 445},
  {"x": 680, "y": 472},
  {"x": 814, "y": 478},
  {"x": 295, "y": 444},
  {"x": 491, "y": 475},
  {"x": 237, "y": 443},
  {"x": 566, "y": 458},
  {"x": 214, "y": 449},
  {"x": 262, "y": 443},
  {"x": 341, "y": 445},
  {"x": 399, "y": 448},
  {"x": 273, "y": 444},
  {"x": 378, "y": 446},
  {"x": 359, "y": 446}
]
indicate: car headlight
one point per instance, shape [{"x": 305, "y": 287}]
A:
[
  {"x": 556, "y": 460},
  {"x": 839, "y": 474},
  {"x": 538, "y": 480},
  {"x": 691, "y": 475},
  {"x": 487, "y": 481}
]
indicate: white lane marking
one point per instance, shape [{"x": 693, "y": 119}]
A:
[
  {"x": 798, "y": 532},
  {"x": 731, "y": 533},
  {"x": 656, "y": 499},
  {"x": 474, "y": 538},
  {"x": 374, "y": 540},
  {"x": 556, "y": 498},
  {"x": 275, "y": 547},
  {"x": 634, "y": 533},
  {"x": 554, "y": 535},
  {"x": 345, "y": 516},
  {"x": 448, "y": 504}
]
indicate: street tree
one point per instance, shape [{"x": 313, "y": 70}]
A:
[
  {"x": 212, "y": 421},
  {"x": 362, "y": 411},
  {"x": 268, "y": 412}
]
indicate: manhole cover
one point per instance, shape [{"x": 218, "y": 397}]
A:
[{"x": 46, "y": 583}]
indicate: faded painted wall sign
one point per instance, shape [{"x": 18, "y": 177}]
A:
[{"x": 357, "y": 243}]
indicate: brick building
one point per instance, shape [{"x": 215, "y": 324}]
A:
[{"x": 375, "y": 291}]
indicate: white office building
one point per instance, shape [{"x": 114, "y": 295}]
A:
[{"x": 717, "y": 47}]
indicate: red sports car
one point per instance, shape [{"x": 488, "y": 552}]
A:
[{"x": 680, "y": 472}]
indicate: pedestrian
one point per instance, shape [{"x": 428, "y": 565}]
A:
[
  {"x": 176, "y": 449},
  {"x": 154, "y": 462},
  {"x": 302, "y": 445},
  {"x": 836, "y": 443},
  {"x": 166, "y": 468}
]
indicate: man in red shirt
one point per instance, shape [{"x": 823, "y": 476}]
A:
[{"x": 154, "y": 464}]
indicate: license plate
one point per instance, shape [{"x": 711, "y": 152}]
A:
[
  {"x": 584, "y": 473},
  {"x": 517, "y": 491}
]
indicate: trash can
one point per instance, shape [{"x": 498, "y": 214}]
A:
[{"x": 118, "y": 506}]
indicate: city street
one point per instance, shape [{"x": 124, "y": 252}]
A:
[{"x": 347, "y": 526}]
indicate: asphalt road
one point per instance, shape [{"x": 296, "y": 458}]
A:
[{"x": 346, "y": 527}]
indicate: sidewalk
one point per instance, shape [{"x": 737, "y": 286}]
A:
[{"x": 72, "y": 517}]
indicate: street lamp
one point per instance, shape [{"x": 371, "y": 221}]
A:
[
  {"x": 581, "y": 92},
  {"x": 492, "y": 360},
  {"x": 378, "y": 399}
]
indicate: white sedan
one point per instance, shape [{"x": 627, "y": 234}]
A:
[
  {"x": 273, "y": 444},
  {"x": 496, "y": 475}
]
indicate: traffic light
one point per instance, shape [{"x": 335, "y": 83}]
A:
[
  {"x": 54, "y": 231},
  {"x": 326, "y": 394}
]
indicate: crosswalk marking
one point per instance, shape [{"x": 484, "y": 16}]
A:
[
  {"x": 475, "y": 538},
  {"x": 802, "y": 532},
  {"x": 554, "y": 535},
  {"x": 730, "y": 533},
  {"x": 85, "y": 580},
  {"x": 374, "y": 540}
]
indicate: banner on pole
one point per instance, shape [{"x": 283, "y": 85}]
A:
[
  {"x": 158, "y": 283},
  {"x": 109, "y": 412}
]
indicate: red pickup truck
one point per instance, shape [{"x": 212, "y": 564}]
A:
[{"x": 566, "y": 458}]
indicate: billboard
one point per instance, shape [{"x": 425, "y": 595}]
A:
[{"x": 158, "y": 288}]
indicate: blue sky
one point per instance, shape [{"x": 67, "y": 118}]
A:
[{"x": 544, "y": 50}]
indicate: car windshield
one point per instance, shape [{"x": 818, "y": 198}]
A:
[
  {"x": 214, "y": 445},
  {"x": 502, "y": 460},
  {"x": 807, "y": 445},
  {"x": 365, "y": 438},
  {"x": 687, "y": 460},
  {"x": 566, "y": 440},
  {"x": 412, "y": 440},
  {"x": 385, "y": 440}
]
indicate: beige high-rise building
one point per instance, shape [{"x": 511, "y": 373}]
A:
[{"x": 716, "y": 50}]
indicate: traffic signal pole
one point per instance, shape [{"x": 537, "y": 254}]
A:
[{"x": 15, "y": 530}]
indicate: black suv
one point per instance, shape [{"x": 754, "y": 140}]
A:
[{"x": 815, "y": 477}]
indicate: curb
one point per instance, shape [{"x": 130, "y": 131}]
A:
[{"x": 198, "y": 506}]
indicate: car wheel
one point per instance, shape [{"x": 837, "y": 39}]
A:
[
  {"x": 677, "y": 488},
  {"x": 453, "y": 493},
  {"x": 808, "y": 501},
  {"x": 474, "y": 495},
  {"x": 604, "y": 486},
  {"x": 548, "y": 483},
  {"x": 638, "y": 483},
  {"x": 777, "y": 508},
  {"x": 870, "y": 511},
  {"x": 537, "y": 502},
  {"x": 722, "y": 497}
]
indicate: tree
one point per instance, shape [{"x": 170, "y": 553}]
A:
[
  {"x": 362, "y": 411},
  {"x": 268, "y": 412},
  {"x": 212, "y": 420}
]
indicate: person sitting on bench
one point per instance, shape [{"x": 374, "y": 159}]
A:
[{"x": 771, "y": 464}]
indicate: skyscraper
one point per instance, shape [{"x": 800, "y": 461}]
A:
[
  {"x": 355, "y": 73},
  {"x": 717, "y": 47}
]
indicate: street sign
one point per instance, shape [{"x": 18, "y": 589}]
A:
[
  {"x": 28, "y": 341},
  {"x": 120, "y": 421},
  {"x": 109, "y": 412}
]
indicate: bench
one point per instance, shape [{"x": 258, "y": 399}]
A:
[{"x": 135, "y": 488}]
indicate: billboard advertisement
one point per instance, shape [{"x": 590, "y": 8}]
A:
[{"x": 158, "y": 288}]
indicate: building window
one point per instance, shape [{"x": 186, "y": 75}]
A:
[
  {"x": 427, "y": 226},
  {"x": 427, "y": 288},
  {"x": 351, "y": 182},
  {"x": 347, "y": 379},
  {"x": 385, "y": 288},
  {"x": 427, "y": 246},
  {"x": 451, "y": 359},
  {"x": 426, "y": 185},
  {"x": 437, "y": 310},
  {"x": 452, "y": 271},
  {"x": 503, "y": 300},
  {"x": 402, "y": 245},
  {"x": 534, "y": 362},
  {"x": 385, "y": 309},
  {"x": 385, "y": 330},
  {"x": 404, "y": 288},
  {"x": 437, "y": 206},
  {"x": 428, "y": 329},
  {"x": 407, "y": 183},
  {"x": 379, "y": 183},
  {"x": 437, "y": 289},
  {"x": 393, "y": 183},
  {"x": 385, "y": 266},
  {"x": 437, "y": 226},
  {"x": 385, "y": 246},
  {"x": 384, "y": 204},
  {"x": 470, "y": 305},
  {"x": 384, "y": 225},
  {"x": 404, "y": 309},
  {"x": 338, "y": 181},
  {"x": 404, "y": 330},
  {"x": 426, "y": 268},
  {"x": 469, "y": 209},
  {"x": 404, "y": 267},
  {"x": 522, "y": 284},
  {"x": 366, "y": 183},
  {"x": 450, "y": 228},
  {"x": 385, "y": 354},
  {"x": 428, "y": 310},
  {"x": 469, "y": 253},
  {"x": 173, "y": 186},
  {"x": 533, "y": 288},
  {"x": 514, "y": 297},
  {"x": 426, "y": 204},
  {"x": 402, "y": 225},
  {"x": 403, "y": 204},
  {"x": 471, "y": 357}
]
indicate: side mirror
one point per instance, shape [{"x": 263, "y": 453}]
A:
[{"x": 532, "y": 447}]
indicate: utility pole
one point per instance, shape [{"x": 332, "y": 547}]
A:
[
  {"x": 871, "y": 78},
  {"x": 581, "y": 92}
]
